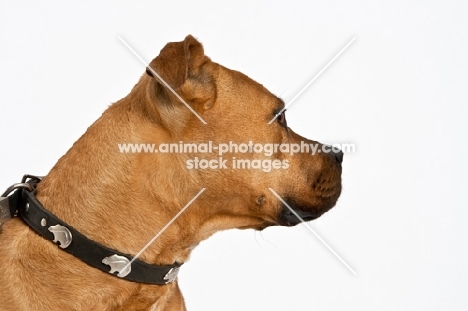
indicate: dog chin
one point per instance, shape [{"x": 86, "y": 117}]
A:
[{"x": 259, "y": 226}]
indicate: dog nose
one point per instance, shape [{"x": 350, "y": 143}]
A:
[{"x": 337, "y": 154}]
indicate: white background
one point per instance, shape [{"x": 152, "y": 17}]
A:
[{"x": 399, "y": 93}]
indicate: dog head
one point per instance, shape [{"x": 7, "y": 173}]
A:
[{"x": 263, "y": 181}]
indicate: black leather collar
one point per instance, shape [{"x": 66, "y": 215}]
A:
[{"x": 24, "y": 204}]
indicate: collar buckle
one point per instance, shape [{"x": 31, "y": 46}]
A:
[{"x": 8, "y": 202}]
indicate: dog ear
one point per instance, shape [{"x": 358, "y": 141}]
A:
[{"x": 177, "y": 61}]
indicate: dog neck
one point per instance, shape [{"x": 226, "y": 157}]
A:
[{"x": 94, "y": 184}]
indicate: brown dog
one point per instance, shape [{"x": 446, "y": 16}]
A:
[{"x": 122, "y": 199}]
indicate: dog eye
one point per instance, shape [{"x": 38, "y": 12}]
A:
[{"x": 281, "y": 118}]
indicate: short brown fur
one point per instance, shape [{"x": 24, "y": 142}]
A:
[{"x": 122, "y": 200}]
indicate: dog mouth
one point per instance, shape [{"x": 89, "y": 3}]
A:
[
  {"x": 293, "y": 212},
  {"x": 290, "y": 216}
]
